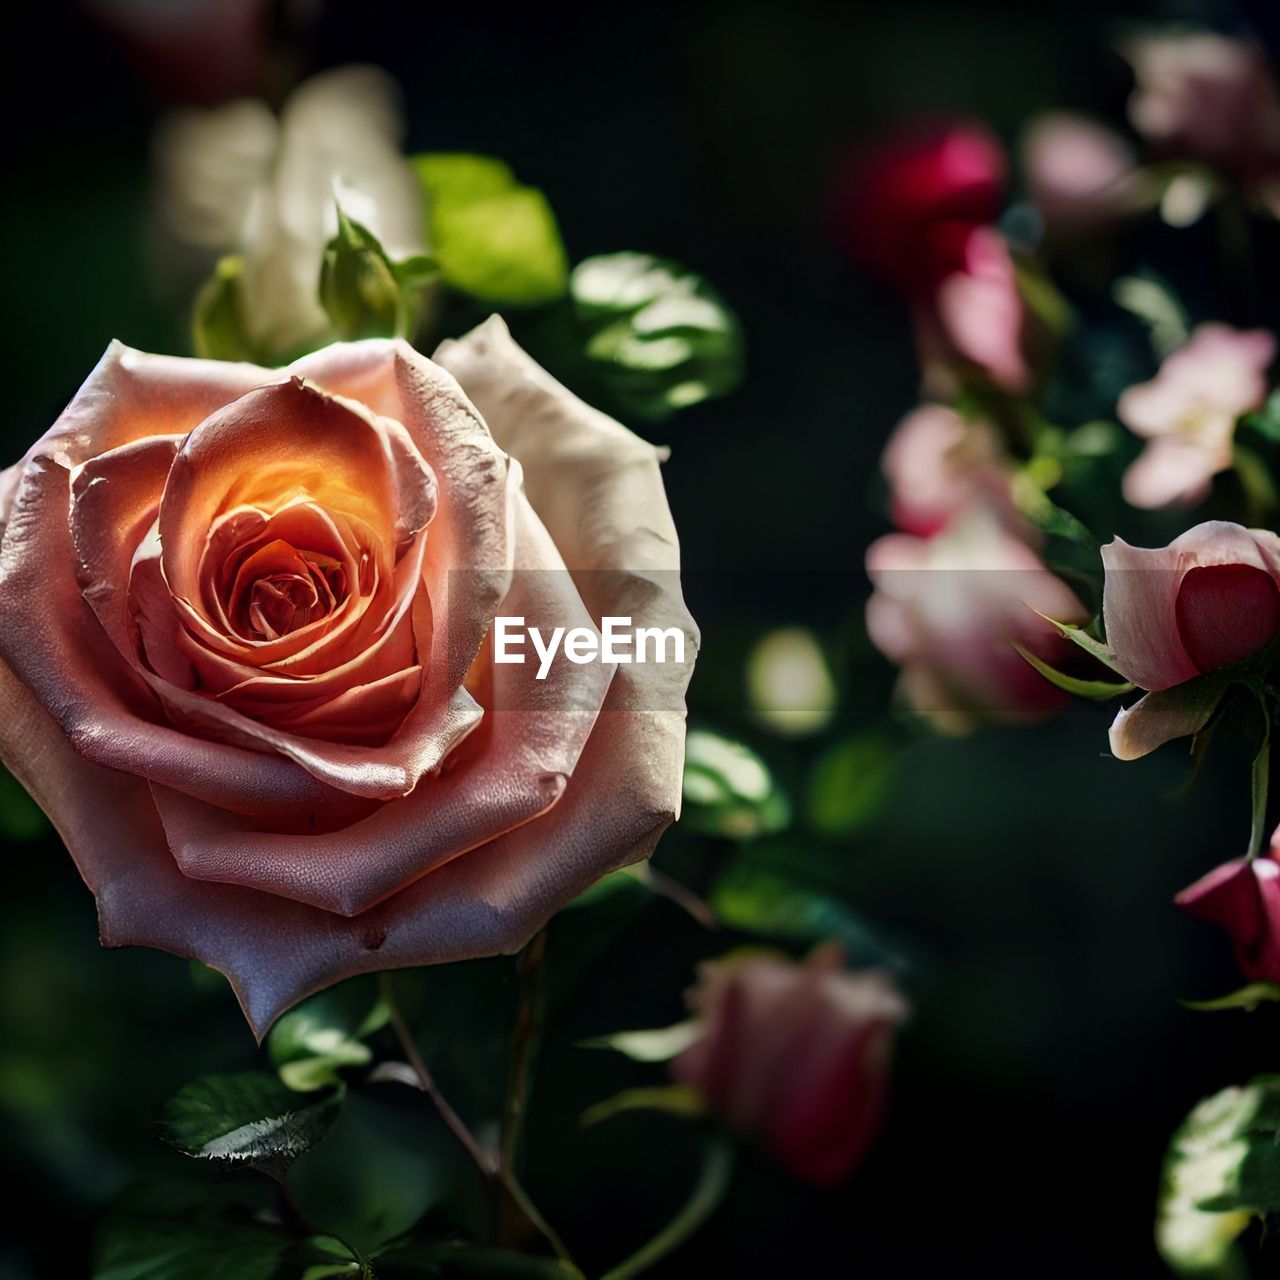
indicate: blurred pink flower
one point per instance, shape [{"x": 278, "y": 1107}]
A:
[
  {"x": 1209, "y": 98},
  {"x": 1206, "y": 601},
  {"x": 904, "y": 209},
  {"x": 947, "y": 609},
  {"x": 977, "y": 318},
  {"x": 1244, "y": 898},
  {"x": 797, "y": 1055},
  {"x": 1080, "y": 175},
  {"x": 939, "y": 466},
  {"x": 1188, "y": 412}
]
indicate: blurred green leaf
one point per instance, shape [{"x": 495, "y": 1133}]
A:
[
  {"x": 849, "y": 783},
  {"x": 1247, "y": 997},
  {"x": 218, "y": 328},
  {"x": 1095, "y": 690},
  {"x": 658, "y": 1045},
  {"x": 656, "y": 338},
  {"x": 314, "y": 1041},
  {"x": 493, "y": 238},
  {"x": 728, "y": 789},
  {"x": 1266, "y": 421},
  {"x": 249, "y": 1118},
  {"x": 674, "y": 1099},
  {"x": 181, "y": 1233},
  {"x": 789, "y": 685},
  {"x": 361, "y": 291},
  {"x": 20, "y": 817}
]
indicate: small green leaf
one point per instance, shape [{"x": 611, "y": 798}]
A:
[
  {"x": 659, "y": 1045},
  {"x": 849, "y": 784},
  {"x": 249, "y": 1118},
  {"x": 1247, "y": 997},
  {"x": 1096, "y": 690},
  {"x": 656, "y": 337},
  {"x": 1081, "y": 636},
  {"x": 359, "y": 288},
  {"x": 492, "y": 237},
  {"x": 728, "y": 789},
  {"x": 180, "y": 1233},
  {"x": 314, "y": 1041},
  {"x": 219, "y": 331},
  {"x": 674, "y": 1099}
]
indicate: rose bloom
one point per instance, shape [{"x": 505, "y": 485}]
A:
[
  {"x": 948, "y": 609},
  {"x": 1244, "y": 898},
  {"x": 1208, "y": 600},
  {"x": 939, "y": 467},
  {"x": 796, "y": 1055},
  {"x": 1209, "y": 98},
  {"x": 1187, "y": 413},
  {"x": 243, "y": 621},
  {"x": 905, "y": 208},
  {"x": 1081, "y": 176},
  {"x": 237, "y": 180}
]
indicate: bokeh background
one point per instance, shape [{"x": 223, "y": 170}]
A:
[{"x": 1023, "y": 877}]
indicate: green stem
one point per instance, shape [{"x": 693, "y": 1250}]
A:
[
  {"x": 1259, "y": 781},
  {"x": 524, "y": 1048},
  {"x": 713, "y": 1182}
]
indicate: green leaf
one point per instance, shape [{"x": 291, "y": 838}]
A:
[
  {"x": 314, "y": 1041},
  {"x": 1081, "y": 637},
  {"x": 1155, "y": 304},
  {"x": 849, "y": 784},
  {"x": 180, "y": 1233},
  {"x": 674, "y": 1099},
  {"x": 1247, "y": 997},
  {"x": 218, "y": 327},
  {"x": 21, "y": 819},
  {"x": 249, "y": 1118},
  {"x": 728, "y": 789},
  {"x": 492, "y": 237},
  {"x": 659, "y": 1045},
  {"x": 656, "y": 338},
  {"x": 1266, "y": 421},
  {"x": 1096, "y": 690}
]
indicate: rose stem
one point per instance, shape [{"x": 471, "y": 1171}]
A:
[{"x": 713, "y": 1182}]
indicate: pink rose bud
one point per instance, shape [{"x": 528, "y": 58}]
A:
[
  {"x": 948, "y": 609},
  {"x": 939, "y": 467},
  {"x": 1081, "y": 176},
  {"x": 905, "y": 209},
  {"x": 1208, "y": 98},
  {"x": 796, "y": 1055},
  {"x": 1244, "y": 898},
  {"x": 1187, "y": 413}
]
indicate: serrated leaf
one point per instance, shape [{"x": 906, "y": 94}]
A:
[
  {"x": 178, "y": 1233},
  {"x": 317, "y": 1039},
  {"x": 249, "y": 1118},
  {"x": 492, "y": 237},
  {"x": 658, "y": 1045},
  {"x": 673, "y": 1099},
  {"x": 1095, "y": 690},
  {"x": 729, "y": 790},
  {"x": 1248, "y": 997},
  {"x": 655, "y": 336}
]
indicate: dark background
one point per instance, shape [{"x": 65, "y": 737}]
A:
[{"x": 1026, "y": 875}]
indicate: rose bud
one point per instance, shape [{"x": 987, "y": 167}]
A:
[
  {"x": 795, "y": 1055},
  {"x": 939, "y": 467},
  {"x": 1208, "y": 600},
  {"x": 1206, "y": 97},
  {"x": 905, "y": 209},
  {"x": 1082, "y": 177},
  {"x": 245, "y": 658},
  {"x": 948, "y": 611},
  {"x": 1243, "y": 897},
  {"x": 1187, "y": 413}
]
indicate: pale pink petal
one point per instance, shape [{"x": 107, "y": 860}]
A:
[
  {"x": 1161, "y": 717},
  {"x": 1171, "y": 472}
]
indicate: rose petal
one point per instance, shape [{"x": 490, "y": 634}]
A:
[{"x": 1160, "y": 717}]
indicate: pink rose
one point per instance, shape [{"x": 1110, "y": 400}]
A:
[
  {"x": 243, "y": 652},
  {"x": 1244, "y": 898},
  {"x": 1080, "y": 175},
  {"x": 1209, "y": 98},
  {"x": 797, "y": 1055},
  {"x": 906, "y": 207},
  {"x": 939, "y": 467},
  {"x": 1188, "y": 413},
  {"x": 947, "y": 609},
  {"x": 1172, "y": 614}
]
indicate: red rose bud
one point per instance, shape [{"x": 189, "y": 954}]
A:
[
  {"x": 1244, "y": 898},
  {"x": 796, "y": 1055},
  {"x": 904, "y": 209}
]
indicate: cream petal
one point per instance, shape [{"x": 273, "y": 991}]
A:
[{"x": 1161, "y": 717}]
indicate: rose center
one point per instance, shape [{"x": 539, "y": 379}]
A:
[
  {"x": 280, "y": 589},
  {"x": 1225, "y": 612}
]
